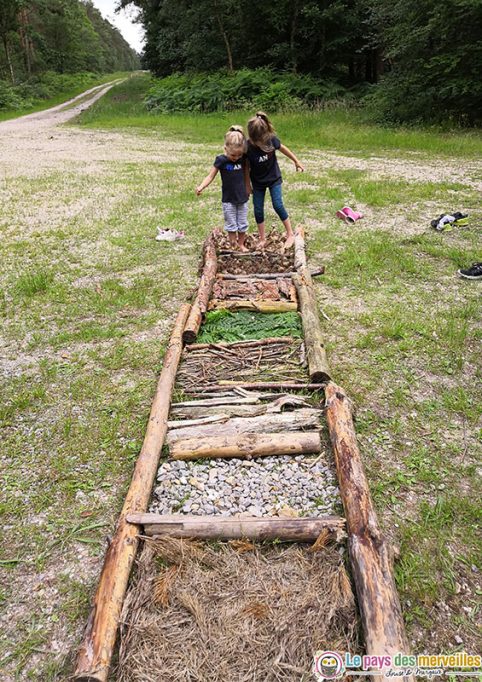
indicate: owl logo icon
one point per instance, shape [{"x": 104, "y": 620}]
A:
[{"x": 327, "y": 665}]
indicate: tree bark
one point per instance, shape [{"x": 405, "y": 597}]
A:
[
  {"x": 370, "y": 557},
  {"x": 7, "y": 57},
  {"x": 224, "y": 36},
  {"x": 300, "y": 254},
  {"x": 315, "y": 350},
  {"x": 96, "y": 650},
  {"x": 206, "y": 283},
  {"x": 248, "y": 445},
  {"x": 233, "y": 528},
  {"x": 304, "y": 418}
]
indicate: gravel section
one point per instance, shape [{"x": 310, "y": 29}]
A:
[{"x": 267, "y": 487}]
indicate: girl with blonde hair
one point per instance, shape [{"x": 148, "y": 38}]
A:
[
  {"x": 235, "y": 185},
  {"x": 265, "y": 173}
]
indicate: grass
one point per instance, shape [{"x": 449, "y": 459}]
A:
[{"x": 87, "y": 300}]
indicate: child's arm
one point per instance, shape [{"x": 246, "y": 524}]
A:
[
  {"x": 207, "y": 180},
  {"x": 287, "y": 152},
  {"x": 247, "y": 179}
]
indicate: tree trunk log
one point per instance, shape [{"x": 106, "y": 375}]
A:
[
  {"x": 304, "y": 418},
  {"x": 96, "y": 650},
  {"x": 300, "y": 254},
  {"x": 315, "y": 350},
  {"x": 206, "y": 283},
  {"x": 256, "y": 305},
  {"x": 370, "y": 557},
  {"x": 270, "y": 275},
  {"x": 238, "y": 528},
  {"x": 248, "y": 445}
]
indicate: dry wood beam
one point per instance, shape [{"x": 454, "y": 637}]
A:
[
  {"x": 300, "y": 254},
  {"x": 242, "y": 344},
  {"x": 370, "y": 556},
  {"x": 254, "y": 386},
  {"x": 315, "y": 349},
  {"x": 205, "y": 288},
  {"x": 99, "y": 638},
  {"x": 238, "y": 528},
  {"x": 259, "y": 306},
  {"x": 248, "y": 445},
  {"x": 268, "y": 275}
]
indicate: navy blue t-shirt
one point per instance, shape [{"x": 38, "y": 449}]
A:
[
  {"x": 264, "y": 170},
  {"x": 232, "y": 176}
]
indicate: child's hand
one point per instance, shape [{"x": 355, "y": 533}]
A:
[
  {"x": 299, "y": 167},
  {"x": 199, "y": 189}
]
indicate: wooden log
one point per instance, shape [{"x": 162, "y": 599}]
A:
[
  {"x": 269, "y": 275},
  {"x": 370, "y": 557},
  {"x": 206, "y": 283},
  {"x": 259, "y": 306},
  {"x": 255, "y": 386},
  {"x": 315, "y": 349},
  {"x": 236, "y": 528},
  {"x": 195, "y": 411},
  {"x": 248, "y": 445},
  {"x": 304, "y": 418},
  {"x": 198, "y": 421},
  {"x": 99, "y": 638},
  {"x": 300, "y": 254},
  {"x": 288, "y": 340}
]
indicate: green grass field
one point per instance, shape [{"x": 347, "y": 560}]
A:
[{"x": 88, "y": 297}]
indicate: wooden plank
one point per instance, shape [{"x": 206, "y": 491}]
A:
[
  {"x": 237, "y": 528},
  {"x": 248, "y": 445},
  {"x": 371, "y": 562},
  {"x": 315, "y": 349},
  {"x": 259, "y": 306},
  {"x": 99, "y": 638}
]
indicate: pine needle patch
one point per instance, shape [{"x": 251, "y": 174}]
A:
[
  {"x": 224, "y": 325},
  {"x": 256, "y": 616}
]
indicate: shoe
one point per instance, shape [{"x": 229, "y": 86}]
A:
[
  {"x": 352, "y": 215},
  {"x": 474, "y": 272}
]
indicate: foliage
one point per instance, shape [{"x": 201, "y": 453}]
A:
[
  {"x": 62, "y": 36},
  {"x": 224, "y": 325},
  {"x": 222, "y": 90}
]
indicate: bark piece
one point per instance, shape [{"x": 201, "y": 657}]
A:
[{"x": 206, "y": 283}]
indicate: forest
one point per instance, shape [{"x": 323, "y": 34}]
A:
[
  {"x": 409, "y": 60},
  {"x": 45, "y": 42}
]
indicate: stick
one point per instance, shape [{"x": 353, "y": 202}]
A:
[
  {"x": 241, "y": 344},
  {"x": 257, "y": 305},
  {"x": 256, "y": 386},
  {"x": 98, "y": 643},
  {"x": 269, "y": 275},
  {"x": 370, "y": 558},
  {"x": 201, "y": 421},
  {"x": 232, "y": 528},
  {"x": 205, "y": 288},
  {"x": 248, "y": 445},
  {"x": 315, "y": 349}
]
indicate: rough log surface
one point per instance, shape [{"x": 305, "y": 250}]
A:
[
  {"x": 248, "y": 445},
  {"x": 300, "y": 254},
  {"x": 232, "y": 528},
  {"x": 369, "y": 553},
  {"x": 98, "y": 643},
  {"x": 315, "y": 350},
  {"x": 206, "y": 283},
  {"x": 259, "y": 306}
]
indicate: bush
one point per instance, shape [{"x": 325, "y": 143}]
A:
[
  {"x": 222, "y": 91},
  {"x": 42, "y": 87}
]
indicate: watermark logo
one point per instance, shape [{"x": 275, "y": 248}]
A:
[{"x": 328, "y": 665}]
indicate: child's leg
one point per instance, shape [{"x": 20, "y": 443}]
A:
[
  {"x": 242, "y": 222},
  {"x": 229, "y": 212},
  {"x": 258, "y": 204},
  {"x": 277, "y": 201}
]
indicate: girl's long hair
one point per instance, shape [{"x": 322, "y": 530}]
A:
[{"x": 260, "y": 131}]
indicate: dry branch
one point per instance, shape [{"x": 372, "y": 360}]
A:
[
  {"x": 96, "y": 650},
  {"x": 259, "y": 306},
  {"x": 255, "y": 386},
  {"x": 206, "y": 283},
  {"x": 268, "y": 275},
  {"x": 315, "y": 350},
  {"x": 300, "y": 254},
  {"x": 242, "y": 344},
  {"x": 370, "y": 557},
  {"x": 232, "y": 528},
  {"x": 248, "y": 445}
]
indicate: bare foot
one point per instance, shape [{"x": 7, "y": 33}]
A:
[
  {"x": 289, "y": 242},
  {"x": 262, "y": 244},
  {"x": 242, "y": 248}
]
